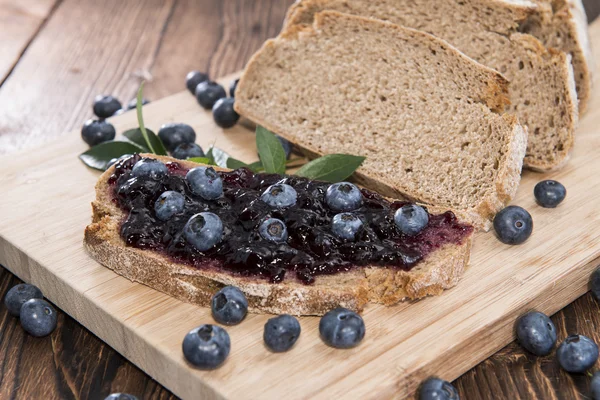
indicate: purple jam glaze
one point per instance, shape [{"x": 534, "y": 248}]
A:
[{"x": 311, "y": 249}]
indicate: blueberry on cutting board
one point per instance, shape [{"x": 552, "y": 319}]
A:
[
  {"x": 38, "y": 317},
  {"x": 549, "y": 193},
  {"x": 175, "y": 134},
  {"x": 106, "y": 106},
  {"x": 229, "y": 306},
  {"x": 281, "y": 333},
  {"x": 95, "y": 131},
  {"x": 223, "y": 113},
  {"x": 18, "y": 295},
  {"x": 536, "y": 333},
  {"x": 193, "y": 79},
  {"x": 342, "y": 328},
  {"x": 208, "y": 92},
  {"x": 513, "y": 225},
  {"x": 437, "y": 389},
  {"x": 207, "y": 346}
]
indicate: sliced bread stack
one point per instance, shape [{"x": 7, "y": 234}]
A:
[
  {"x": 428, "y": 118},
  {"x": 542, "y": 88}
]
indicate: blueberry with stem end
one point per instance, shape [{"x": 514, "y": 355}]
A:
[
  {"x": 206, "y": 347},
  {"x": 203, "y": 230},
  {"x": 513, "y": 225},
  {"x": 38, "y": 317},
  {"x": 411, "y": 219},
  {"x": 549, "y": 193},
  {"x": 205, "y": 182},
  {"x": 577, "y": 354},
  {"x": 342, "y": 328},
  {"x": 343, "y": 196},
  {"x": 18, "y": 295},
  {"x": 281, "y": 333},
  {"x": 536, "y": 333},
  {"x": 229, "y": 306}
]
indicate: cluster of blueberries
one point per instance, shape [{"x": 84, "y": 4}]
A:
[
  {"x": 212, "y": 96},
  {"x": 204, "y": 230},
  {"x": 37, "y": 316},
  {"x": 513, "y": 225},
  {"x": 96, "y": 131}
]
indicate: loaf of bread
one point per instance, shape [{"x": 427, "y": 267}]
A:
[
  {"x": 427, "y": 117},
  {"x": 542, "y": 89},
  {"x": 438, "y": 271}
]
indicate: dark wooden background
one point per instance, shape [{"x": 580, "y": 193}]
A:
[{"x": 55, "y": 56}]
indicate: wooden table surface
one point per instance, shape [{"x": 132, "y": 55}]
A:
[{"x": 55, "y": 56}]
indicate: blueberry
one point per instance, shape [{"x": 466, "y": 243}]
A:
[
  {"x": 549, "y": 193},
  {"x": 133, "y": 103},
  {"x": 595, "y": 386},
  {"x": 233, "y": 86},
  {"x": 577, "y": 354},
  {"x": 595, "y": 284},
  {"x": 411, "y": 219},
  {"x": 224, "y": 114},
  {"x": 106, "y": 106},
  {"x": 95, "y": 132},
  {"x": 280, "y": 195},
  {"x": 38, "y": 317},
  {"x": 205, "y": 182},
  {"x": 342, "y": 328},
  {"x": 288, "y": 146},
  {"x": 513, "y": 225},
  {"x": 168, "y": 204},
  {"x": 437, "y": 389},
  {"x": 274, "y": 230},
  {"x": 187, "y": 150},
  {"x": 121, "y": 396},
  {"x": 174, "y": 134},
  {"x": 536, "y": 333},
  {"x": 18, "y": 295},
  {"x": 206, "y": 346},
  {"x": 149, "y": 167},
  {"x": 203, "y": 230},
  {"x": 208, "y": 92},
  {"x": 281, "y": 333},
  {"x": 343, "y": 196},
  {"x": 229, "y": 306},
  {"x": 346, "y": 225},
  {"x": 193, "y": 79}
]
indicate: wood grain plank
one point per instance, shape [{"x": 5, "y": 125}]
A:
[{"x": 19, "y": 23}]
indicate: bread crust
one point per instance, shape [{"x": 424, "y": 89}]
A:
[{"x": 353, "y": 290}]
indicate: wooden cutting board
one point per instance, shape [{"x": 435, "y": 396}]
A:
[{"x": 45, "y": 206}]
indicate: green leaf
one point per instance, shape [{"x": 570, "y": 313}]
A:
[
  {"x": 136, "y": 136},
  {"x": 98, "y": 156},
  {"x": 256, "y": 166},
  {"x": 331, "y": 168},
  {"x": 217, "y": 157},
  {"x": 235, "y": 164},
  {"x": 140, "y": 118},
  {"x": 199, "y": 160},
  {"x": 270, "y": 151}
]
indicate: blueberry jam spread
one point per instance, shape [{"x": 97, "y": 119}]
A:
[{"x": 271, "y": 226}]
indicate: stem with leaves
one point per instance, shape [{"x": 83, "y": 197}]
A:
[{"x": 140, "y": 117}]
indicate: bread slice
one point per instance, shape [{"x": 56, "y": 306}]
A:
[
  {"x": 542, "y": 89},
  {"x": 562, "y": 24},
  {"x": 419, "y": 110},
  {"x": 440, "y": 270}
]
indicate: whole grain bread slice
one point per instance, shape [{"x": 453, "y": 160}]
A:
[
  {"x": 542, "y": 86},
  {"x": 419, "y": 110},
  {"x": 440, "y": 270}
]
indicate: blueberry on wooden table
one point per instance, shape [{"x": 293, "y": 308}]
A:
[
  {"x": 18, "y": 295},
  {"x": 536, "y": 333},
  {"x": 343, "y": 196},
  {"x": 280, "y": 195},
  {"x": 208, "y": 92},
  {"x": 223, "y": 113},
  {"x": 437, "y": 389},
  {"x": 95, "y": 131},
  {"x": 595, "y": 284},
  {"x": 149, "y": 168},
  {"x": 203, "y": 230},
  {"x": 229, "y": 306},
  {"x": 549, "y": 193},
  {"x": 106, "y": 106},
  {"x": 577, "y": 354},
  {"x": 174, "y": 134},
  {"x": 346, "y": 225},
  {"x": 233, "y": 86},
  {"x": 205, "y": 182},
  {"x": 513, "y": 225},
  {"x": 120, "y": 396},
  {"x": 342, "y": 328},
  {"x": 193, "y": 79},
  {"x": 595, "y": 386},
  {"x": 273, "y": 230},
  {"x": 133, "y": 103},
  {"x": 281, "y": 333},
  {"x": 206, "y": 347},
  {"x": 187, "y": 150},
  {"x": 411, "y": 219},
  {"x": 38, "y": 317}
]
